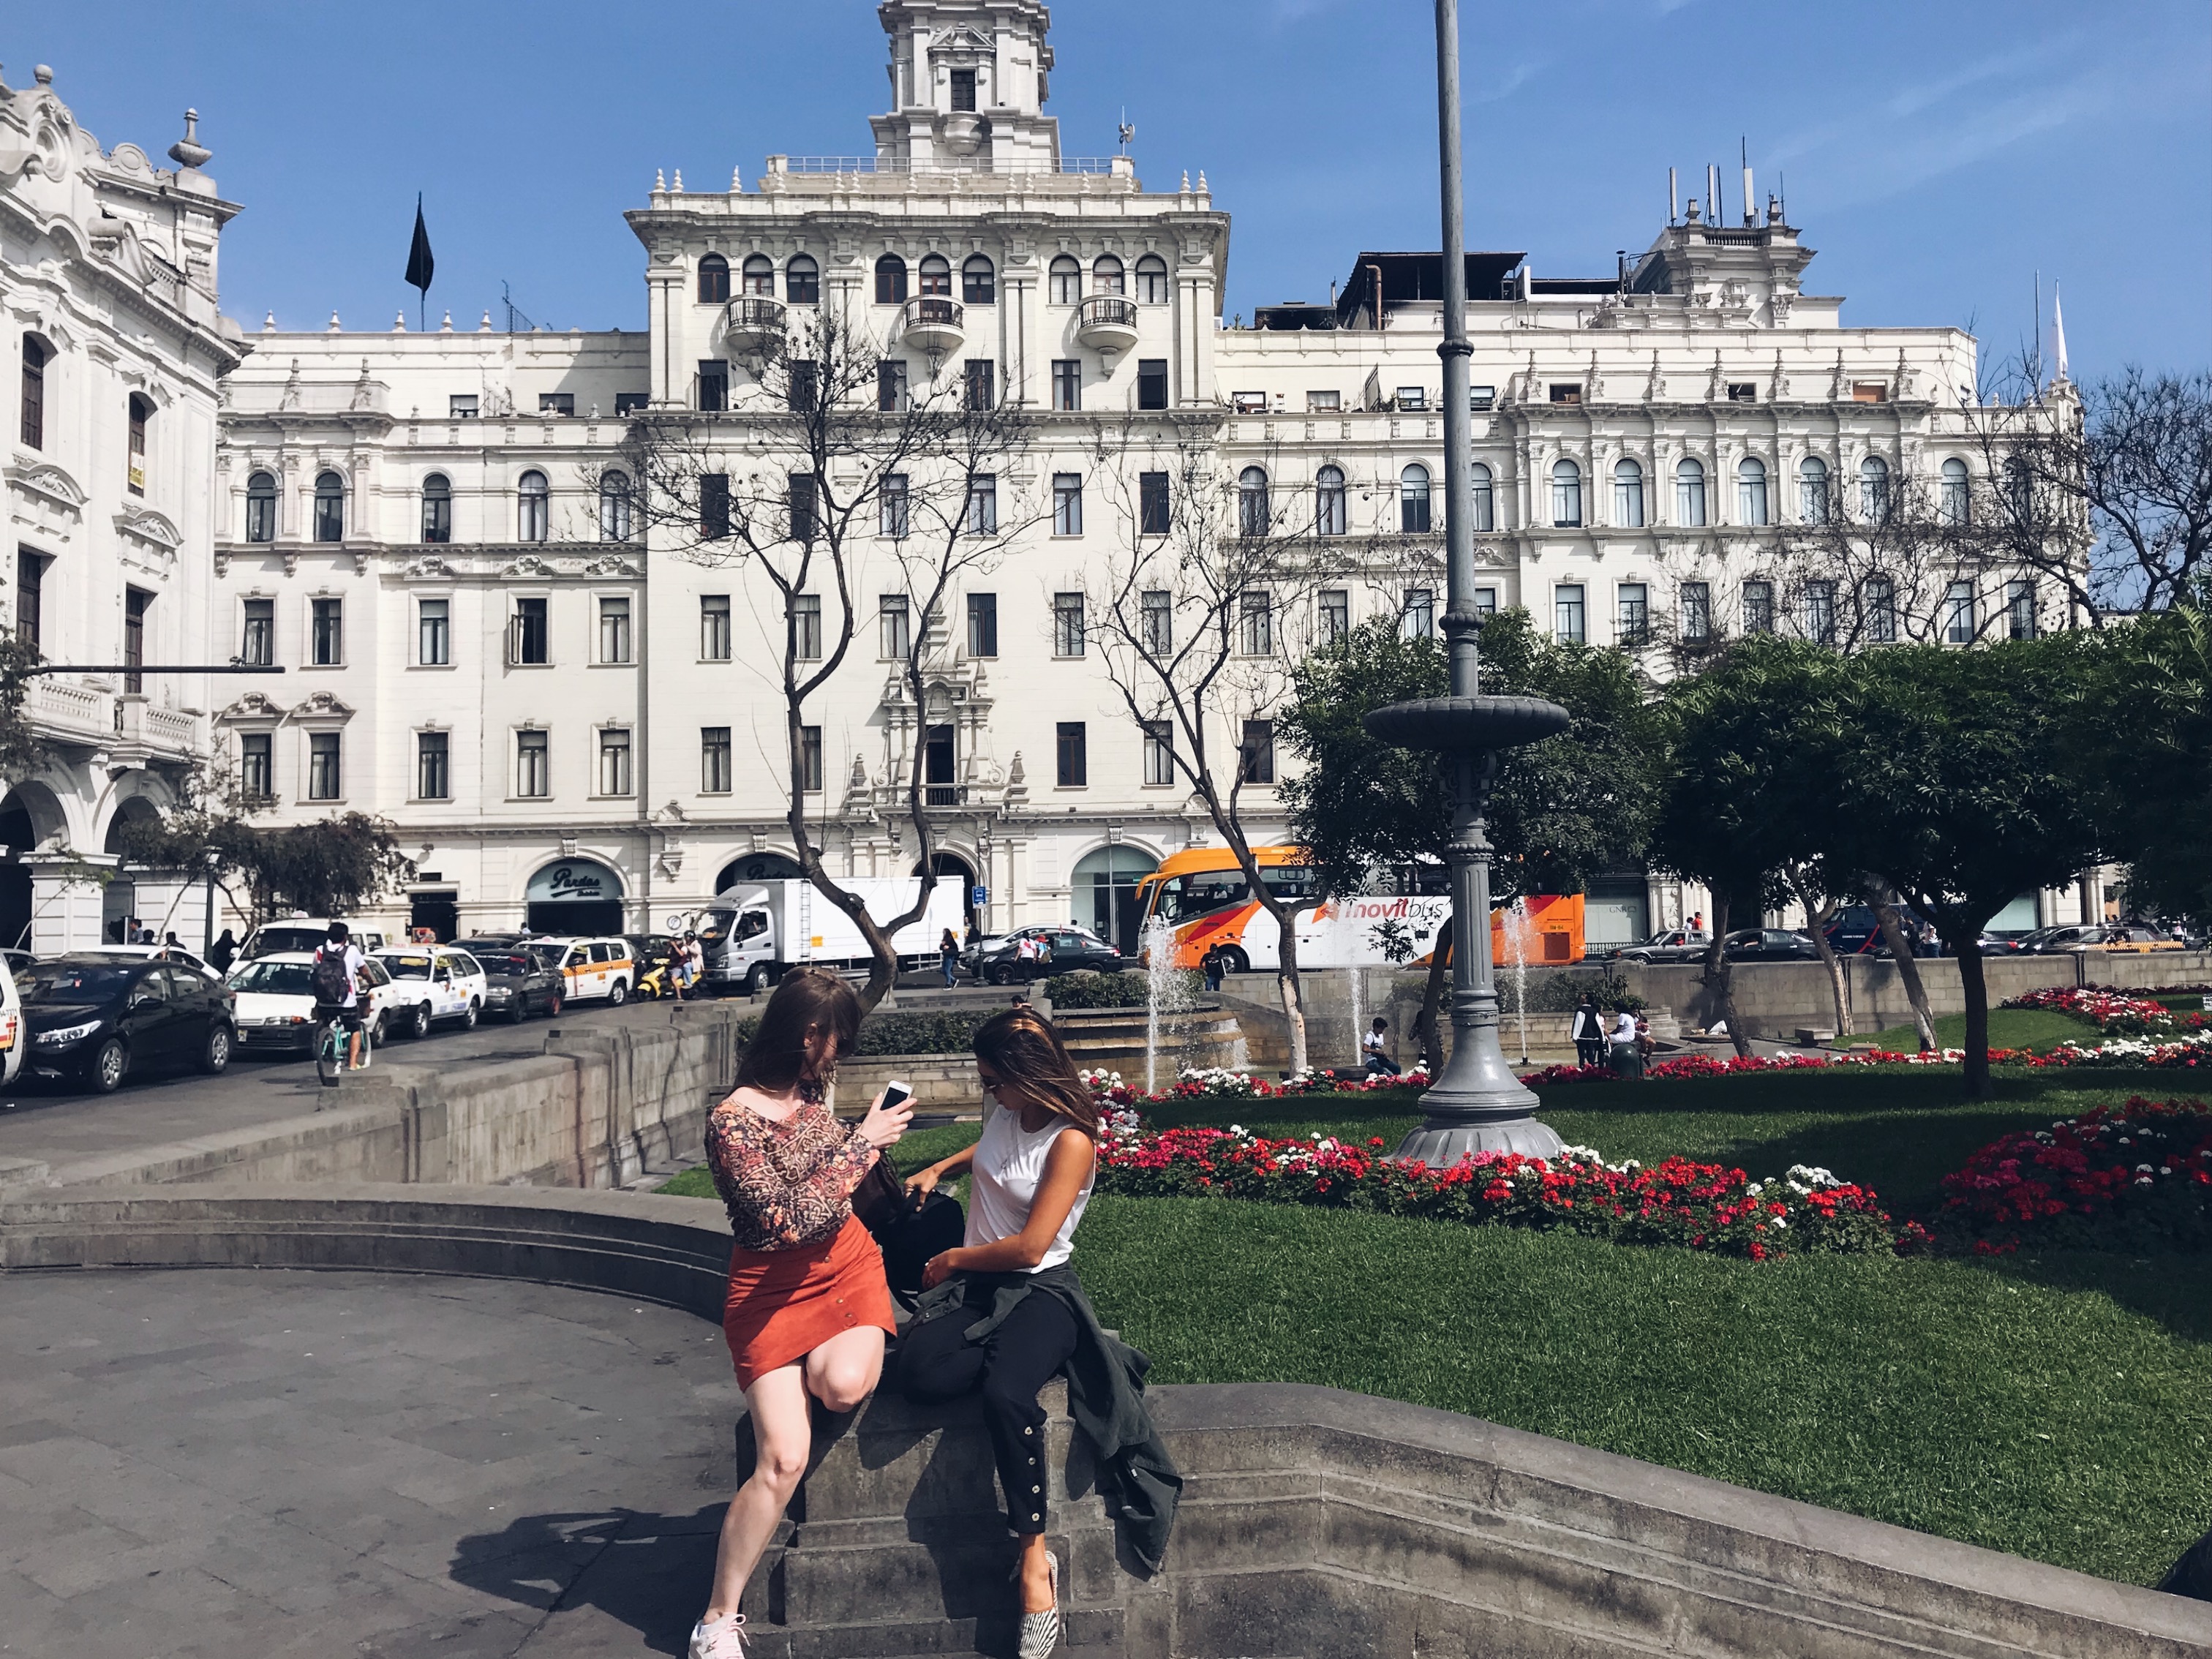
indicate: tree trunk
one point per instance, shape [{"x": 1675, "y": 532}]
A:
[
  {"x": 1718, "y": 976},
  {"x": 1432, "y": 997},
  {"x": 1286, "y": 984},
  {"x": 1816, "y": 924},
  {"x": 1901, "y": 949},
  {"x": 1968, "y": 949}
]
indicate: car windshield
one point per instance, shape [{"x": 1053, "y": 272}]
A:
[
  {"x": 407, "y": 967},
  {"x": 280, "y": 979},
  {"x": 549, "y": 955},
  {"x": 269, "y": 940},
  {"x": 74, "y": 982},
  {"x": 501, "y": 961}
]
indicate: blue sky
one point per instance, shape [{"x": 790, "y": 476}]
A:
[{"x": 1936, "y": 155}]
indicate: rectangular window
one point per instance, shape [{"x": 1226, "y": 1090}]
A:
[
  {"x": 533, "y": 772},
  {"x": 613, "y": 761},
  {"x": 1480, "y": 398},
  {"x": 982, "y": 518},
  {"x": 1156, "y": 621},
  {"x": 979, "y": 384},
  {"x": 895, "y": 628},
  {"x": 461, "y": 407},
  {"x": 1567, "y": 613},
  {"x": 1958, "y": 614},
  {"x": 810, "y": 759},
  {"x": 983, "y": 624},
  {"x": 1159, "y": 753},
  {"x": 324, "y": 780},
  {"x": 1152, "y": 510},
  {"x": 35, "y": 358},
  {"x": 806, "y": 627},
  {"x": 614, "y": 629},
  {"x": 804, "y": 391},
  {"x": 1869, "y": 392},
  {"x": 30, "y": 578},
  {"x": 137, "y": 602},
  {"x": 529, "y": 633},
  {"x": 1255, "y": 623},
  {"x": 1335, "y": 614},
  {"x": 1758, "y": 607},
  {"x": 1255, "y": 754},
  {"x": 1067, "y": 624},
  {"x": 714, "y": 627},
  {"x": 1249, "y": 403},
  {"x": 434, "y": 633},
  {"x": 1324, "y": 403},
  {"x": 1697, "y": 612},
  {"x": 432, "y": 779},
  {"x": 1486, "y": 601},
  {"x": 326, "y": 633},
  {"x": 963, "y": 90},
  {"x": 1413, "y": 399},
  {"x": 135, "y": 476},
  {"x": 1821, "y": 612},
  {"x": 894, "y": 516},
  {"x": 1067, "y": 383},
  {"x": 1152, "y": 383},
  {"x": 713, "y": 386},
  {"x": 714, "y": 760},
  {"x": 1742, "y": 391},
  {"x": 2020, "y": 609},
  {"x": 1566, "y": 392},
  {"x": 257, "y": 765},
  {"x": 629, "y": 403},
  {"x": 259, "y": 648},
  {"x": 891, "y": 387},
  {"x": 1633, "y": 620},
  {"x": 1879, "y": 599},
  {"x": 1075, "y": 757},
  {"x": 1417, "y": 616},
  {"x": 1068, "y": 504},
  {"x": 801, "y": 488},
  {"x": 714, "y": 507},
  {"x": 557, "y": 403}
]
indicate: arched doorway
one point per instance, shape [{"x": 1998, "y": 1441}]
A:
[
  {"x": 954, "y": 870},
  {"x": 574, "y": 896},
  {"x": 755, "y": 868},
  {"x": 119, "y": 902},
  {"x": 19, "y": 836},
  {"x": 1105, "y": 893}
]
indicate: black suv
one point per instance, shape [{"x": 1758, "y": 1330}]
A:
[
  {"x": 998, "y": 962},
  {"x": 97, "y": 1019}
]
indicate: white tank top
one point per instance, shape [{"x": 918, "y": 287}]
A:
[{"x": 1003, "y": 1182}]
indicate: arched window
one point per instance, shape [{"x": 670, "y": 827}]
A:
[
  {"x": 1567, "y": 494},
  {"x": 1152, "y": 279},
  {"x": 536, "y": 520},
  {"x": 1878, "y": 610},
  {"x": 1873, "y": 489},
  {"x": 37, "y": 354},
  {"x": 1958, "y": 498},
  {"x": 1065, "y": 280},
  {"x": 1328, "y": 502},
  {"x": 713, "y": 280},
  {"x": 1413, "y": 501},
  {"x": 437, "y": 508},
  {"x": 890, "y": 280},
  {"x": 614, "y": 507},
  {"x": 141, "y": 411},
  {"x": 261, "y": 508},
  {"x": 1751, "y": 490},
  {"x": 1106, "y": 276},
  {"x": 329, "y": 508},
  {"x": 937, "y": 276},
  {"x": 1252, "y": 513},
  {"x": 979, "y": 281},
  {"x": 802, "y": 280},
  {"x": 760, "y": 277},
  {"x": 1627, "y": 495},
  {"x": 1813, "y": 490},
  {"x": 1689, "y": 493},
  {"x": 1485, "y": 508}
]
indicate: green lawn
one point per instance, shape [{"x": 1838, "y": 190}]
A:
[{"x": 2009, "y": 1027}]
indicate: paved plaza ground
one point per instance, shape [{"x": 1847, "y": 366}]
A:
[{"x": 248, "y": 1464}]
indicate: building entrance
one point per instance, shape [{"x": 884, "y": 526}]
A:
[{"x": 575, "y": 896}]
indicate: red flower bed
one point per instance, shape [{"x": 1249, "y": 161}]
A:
[
  {"x": 2110, "y": 1010},
  {"x": 2138, "y": 1177},
  {"x": 1704, "y": 1206},
  {"x": 1683, "y": 1066}
]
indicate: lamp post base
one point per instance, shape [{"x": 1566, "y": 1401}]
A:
[{"x": 1440, "y": 1142}]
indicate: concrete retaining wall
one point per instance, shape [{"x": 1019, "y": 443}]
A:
[{"x": 1314, "y": 1522}]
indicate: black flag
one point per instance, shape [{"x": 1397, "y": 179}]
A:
[{"x": 420, "y": 264}]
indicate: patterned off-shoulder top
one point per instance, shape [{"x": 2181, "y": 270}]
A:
[{"x": 789, "y": 1184}]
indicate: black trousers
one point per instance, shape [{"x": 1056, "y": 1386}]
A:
[
  {"x": 936, "y": 1361},
  {"x": 1590, "y": 1051}
]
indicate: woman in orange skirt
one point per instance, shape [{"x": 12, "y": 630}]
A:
[{"x": 808, "y": 1307}]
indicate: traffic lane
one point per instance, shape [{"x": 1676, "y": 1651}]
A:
[{"x": 60, "y": 1122}]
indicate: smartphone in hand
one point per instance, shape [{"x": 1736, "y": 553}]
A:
[{"x": 896, "y": 1094}]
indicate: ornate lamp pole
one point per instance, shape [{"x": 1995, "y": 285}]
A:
[{"x": 1476, "y": 1104}]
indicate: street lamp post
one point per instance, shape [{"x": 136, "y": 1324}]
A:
[{"x": 1475, "y": 1104}]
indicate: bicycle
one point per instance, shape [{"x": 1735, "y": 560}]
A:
[{"x": 331, "y": 1047}]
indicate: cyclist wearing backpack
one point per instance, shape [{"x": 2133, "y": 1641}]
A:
[{"x": 336, "y": 980}]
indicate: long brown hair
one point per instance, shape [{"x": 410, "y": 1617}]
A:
[
  {"x": 806, "y": 1001},
  {"x": 1022, "y": 1047}
]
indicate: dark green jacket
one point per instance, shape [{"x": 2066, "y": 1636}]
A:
[{"x": 1105, "y": 1397}]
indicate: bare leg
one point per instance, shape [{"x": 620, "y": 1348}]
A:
[
  {"x": 783, "y": 1437},
  {"x": 1036, "y": 1575},
  {"x": 844, "y": 1370}
]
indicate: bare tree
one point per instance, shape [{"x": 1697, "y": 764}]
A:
[{"x": 830, "y": 454}]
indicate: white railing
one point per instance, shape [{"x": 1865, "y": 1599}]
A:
[
  {"x": 63, "y": 707},
  {"x": 833, "y": 164}
]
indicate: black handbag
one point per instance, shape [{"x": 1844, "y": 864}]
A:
[{"x": 881, "y": 1201}]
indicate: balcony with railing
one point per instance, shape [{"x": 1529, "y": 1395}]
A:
[
  {"x": 934, "y": 325},
  {"x": 1106, "y": 323},
  {"x": 752, "y": 321}
]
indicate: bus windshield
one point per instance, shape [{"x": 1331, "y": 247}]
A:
[{"x": 1203, "y": 892}]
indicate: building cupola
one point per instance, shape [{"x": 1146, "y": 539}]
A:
[{"x": 970, "y": 79}]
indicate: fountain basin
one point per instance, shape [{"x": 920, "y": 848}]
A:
[{"x": 1458, "y": 725}]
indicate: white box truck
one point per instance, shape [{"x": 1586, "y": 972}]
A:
[{"x": 752, "y": 933}]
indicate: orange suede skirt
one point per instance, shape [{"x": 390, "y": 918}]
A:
[{"x": 783, "y": 1305}]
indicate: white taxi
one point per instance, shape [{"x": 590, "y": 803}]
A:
[
  {"x": 457, "y": 984},
  {"x": 274, "y": 1000},
  {"x": 592, "y": 970}
]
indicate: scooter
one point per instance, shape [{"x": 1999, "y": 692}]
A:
[{"x": 653, "y": 983}]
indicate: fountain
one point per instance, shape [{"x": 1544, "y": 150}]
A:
[
  {"x": 1164, "y": 992},
  {"x": 1516, "y": 932},
  {"x": 1359, "y": 1020},
  {"x": 1475, "y": 1104}
]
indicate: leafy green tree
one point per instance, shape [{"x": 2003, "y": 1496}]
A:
[{"x": 21, "y": 750}]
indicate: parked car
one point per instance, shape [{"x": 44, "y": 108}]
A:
[
  {"x": 96, "y": 1019},
  {"x": 593, "y": 969},
  {"x": 1769, "y": 945},
  {"x": 192, "y": 959},
  {"x": 1668, "y": 945},
  {"x": 458, "y": 989},
  {"x": 304, "y": 933},
  {"x": 276, "y": 1001},
  {"x": 12, "y": 1044},
  {"x": 518, "y": 982},
  {"x": 19, "y": 962},
  {"x": 1853, "y": 929},
  {"x": 998, "y": 961},
  {"x": 2099, "y": 936}
]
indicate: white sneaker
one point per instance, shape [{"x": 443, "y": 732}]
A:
[{"x": 723, "y": 1639}]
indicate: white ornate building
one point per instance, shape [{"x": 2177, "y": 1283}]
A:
[{"x": 571, "y": 722}]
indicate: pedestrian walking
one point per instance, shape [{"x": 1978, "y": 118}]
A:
[
  {"x": 223, "y": 951},
  {"x": 1627, "y": 1055},
  {"x": 676, "y": 968},
  {"x": 1588, "y": 1030},
  {"x": 1375, "y": 1053},
  {"x": 695, "y": 961},
  {"x": 808, "y": 1307},
  {"x": 1211, "y": 967},
  {"x": 948, "y": 951}
]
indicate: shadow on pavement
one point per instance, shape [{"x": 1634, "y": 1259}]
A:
[{"x": 647, "y": 1572}]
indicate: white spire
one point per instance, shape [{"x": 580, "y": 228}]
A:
[{"x": 2058, "y": 332}]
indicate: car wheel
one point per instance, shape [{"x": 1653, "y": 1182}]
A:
[
  {"x": 618, "y": 993},
  {"x": 104, "y": 1073},
  {"x": 420, "y": 1025},
  {"x": 757, "y": 979},
  {"x": 518, "y": 1009},
  {"x": 215, "y": 1057},
  {"x": 469, "y": 1017},
  {"x": 553, "y": 1005},
  {"x": 379, "y": 1029}
]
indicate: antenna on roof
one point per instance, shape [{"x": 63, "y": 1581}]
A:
[
  {"x": 1782, "y": 190},
  {"x": 1128, "y": 132},
  {"x": 1674, "y": 198},
  {"x": 1743, "y": 154}
]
